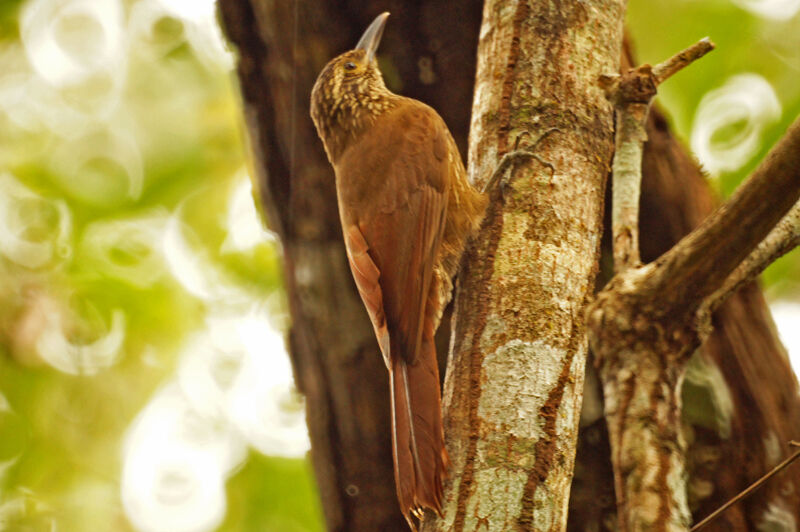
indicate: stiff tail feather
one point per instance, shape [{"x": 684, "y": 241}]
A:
[{"x": 420, "y": 458}]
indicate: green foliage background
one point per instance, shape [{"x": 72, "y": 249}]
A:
[{"x": 61, "y": 438}]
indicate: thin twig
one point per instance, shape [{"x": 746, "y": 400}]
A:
[
  {"x": 681, "y": 60},
  {"x": 750, "y": 489},
  {"x": 783, "y": 238}
]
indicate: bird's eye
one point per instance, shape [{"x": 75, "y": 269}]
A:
[{"x": 349, "y": 66}]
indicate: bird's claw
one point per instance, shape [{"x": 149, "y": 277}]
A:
[
  {"x": 501, "y": 178},
  {"x": 510, "y": 158}
]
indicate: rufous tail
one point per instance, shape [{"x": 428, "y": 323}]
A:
[{"x": 420, "y": 458}]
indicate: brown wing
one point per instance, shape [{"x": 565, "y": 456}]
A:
[
  {"x": 394, "y": 220},
  {"x": 393, "y": 198},
  {"x": 366, "y": 276},
  {"x": 393, "y": 201}
]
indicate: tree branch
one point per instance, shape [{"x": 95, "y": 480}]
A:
[
  {"x": 643, "y": 329},
  {"x": 681, "y": 60},
  {"x": 631, "y": 94},
  {"x": 783, "y": 238},
  {"x": 700, "y": 263},
  {"x": 643, "y": 325}
]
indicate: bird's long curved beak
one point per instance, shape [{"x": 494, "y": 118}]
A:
[{"x": 372, "y": 37}]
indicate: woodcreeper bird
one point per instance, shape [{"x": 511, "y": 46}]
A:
[{"x": 406, "y": 209}]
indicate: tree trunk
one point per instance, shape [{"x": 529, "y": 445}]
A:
[
  {"x": 514, "y": 383},
  {"x": 743, "y": 378}
]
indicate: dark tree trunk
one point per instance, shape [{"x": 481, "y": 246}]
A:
[
  {"x": 428, "y": 53},
  {"x": 337, "y": 365}
]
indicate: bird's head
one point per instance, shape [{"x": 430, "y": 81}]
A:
[{"x": 350, "y": 92}]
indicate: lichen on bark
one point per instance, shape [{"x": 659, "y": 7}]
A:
[{"x": 515, "y": 374}]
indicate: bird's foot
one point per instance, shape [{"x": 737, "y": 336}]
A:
[{"x": 501, "y": 177}]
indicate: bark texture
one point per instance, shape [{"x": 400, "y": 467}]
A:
[
  {"x": 514, "y": 381},
  {"x": 740, "y": 397},
  {"x": 646, "y": 323}
]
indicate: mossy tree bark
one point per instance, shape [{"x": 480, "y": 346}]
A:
[{"x": 514, "y": 380}]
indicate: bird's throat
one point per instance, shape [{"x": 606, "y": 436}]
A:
[{"x": 347, "y": 119}]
